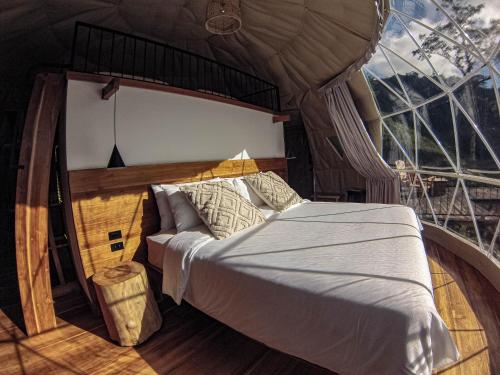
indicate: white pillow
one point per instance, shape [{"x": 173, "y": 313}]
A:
[
  {"x": 166, "y": 217},
  {"x": 247, "y": 192},
  {"x": 185, "y": 216}
]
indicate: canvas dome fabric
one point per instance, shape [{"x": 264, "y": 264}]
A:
[
  {"x": 435, "y": 79},
  {"x": 297, "y": 44}
]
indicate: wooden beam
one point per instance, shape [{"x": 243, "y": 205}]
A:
[
  {"x": 110, "y": 89},
  {"x": 281, "y": 118},
  {"x": 125, "y": 82},
  {"x": 32, "y": 193}
]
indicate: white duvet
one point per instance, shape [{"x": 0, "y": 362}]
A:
[{"x": 342, "y": 285}]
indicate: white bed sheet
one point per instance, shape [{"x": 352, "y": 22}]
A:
[
  {"x": 157, "y": 246},
  {"x": 343, "y": 285}
]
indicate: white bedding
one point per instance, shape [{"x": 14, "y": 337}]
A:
[{"x": 342, "y": 285}]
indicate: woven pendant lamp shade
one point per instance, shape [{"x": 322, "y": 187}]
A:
[{"x": 223, "y": 16}]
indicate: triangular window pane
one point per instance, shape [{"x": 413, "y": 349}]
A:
[
  {"x": 477, "y": 97},
  {"x": 478, "y": 22},
  {"x": 496, "y": 62},
  {"x": 437, "y": 114},
  {"x": 392, "y": 153},
  {"x": 418, "y": 87},
  {"x": 474, "y": 156},
  {"x": 460, "y": 219},
  {"x": 430, "y": 15},
  {"x": 401, "y": 126},
  {"x": 387, "y": 101},
  {"x": 451, "y": 61},
  {"x": 396, "y": 38},
  {"x": 484, "y": 200},
  {"x": 440, "y": 191},
  {"x": 496, "y": 248},
  {"x": 419, "y": 202},
  {"x": 380, "y": 67},
  {"x": 430, "y": 155}
]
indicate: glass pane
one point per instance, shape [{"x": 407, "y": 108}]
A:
[
  {"x": 402, "y": 128},
  {"x": 477, "y": 19},
  {"x": 440, "y": 191},
  {"x": 485, "y": 201},
  {"x": 419, "y": 202},
  {"x": 396, "y": 38},
  {"x": 451, "y": 61},
  {"x": 430, "y": 155},
  {"x": 417, "y": 85},
  {"x": 429, "y": 14},
  {"x": 460, "y": 220},
  {"x": 387, "y": 101},
  {"x": 496, "y": 248},
  {"x": 496, "y": 62},
  {"x": 380, "y": 67},
  {"x": 392, "y": 154},
  {"x": 437, "y": 115},
  {"x": 474, "y": 157},
  {"x": 477, "y": 98}
]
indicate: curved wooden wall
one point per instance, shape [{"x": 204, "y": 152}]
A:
[{"x": 32, "y": 203}]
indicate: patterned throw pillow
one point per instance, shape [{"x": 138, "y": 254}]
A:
[
  {"x": 273, "y": 190},
  {"x": 221, "y": 208}
]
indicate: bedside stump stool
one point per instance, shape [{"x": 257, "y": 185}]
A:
[{"x": 127, "y": 303}]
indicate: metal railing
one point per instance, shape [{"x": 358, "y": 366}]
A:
[
  {"x": 104, "y": 51},
  {"x": 468, "y": 208}
]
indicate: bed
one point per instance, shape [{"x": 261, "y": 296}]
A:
[{"x": 342, "y": 285}]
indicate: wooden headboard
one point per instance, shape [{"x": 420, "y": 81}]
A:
[{"x": 106, "y": 200}]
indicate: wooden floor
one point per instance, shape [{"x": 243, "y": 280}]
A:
[{"x": 192, "y": 343}]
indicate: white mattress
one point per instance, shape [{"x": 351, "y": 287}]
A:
[{"x": 343, "y": 285}]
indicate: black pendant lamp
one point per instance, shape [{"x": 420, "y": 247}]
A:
[{"x": 115, "y": 161}]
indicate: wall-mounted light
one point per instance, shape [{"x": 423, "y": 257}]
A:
[{"x": 115, "y": 161}]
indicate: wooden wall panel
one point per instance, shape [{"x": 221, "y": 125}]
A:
[{"x": 105, "y": 200}]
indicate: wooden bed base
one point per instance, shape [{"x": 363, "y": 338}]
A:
[{"x": 112, "y": 200}]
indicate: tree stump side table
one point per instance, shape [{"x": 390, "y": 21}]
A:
[{"x": 127, "y": 303}]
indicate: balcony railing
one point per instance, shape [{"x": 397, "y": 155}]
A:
[
  {"x": 466, "y": 207},
  {"x": 103, "y": 51}
]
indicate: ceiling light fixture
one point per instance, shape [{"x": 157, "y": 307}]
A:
[{"x": 223, "y": 16}]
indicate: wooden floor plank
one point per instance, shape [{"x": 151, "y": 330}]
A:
[{"x": 190, "y": 342}]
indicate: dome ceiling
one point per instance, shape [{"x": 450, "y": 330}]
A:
[{"x": 297, "y": 44}]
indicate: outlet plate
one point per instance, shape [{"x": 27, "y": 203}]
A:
[
  {"x": 115, "y": 235},
  {"x": 117, "y": 246}
]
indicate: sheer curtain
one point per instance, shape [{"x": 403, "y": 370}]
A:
[{"x": 382, "y": 183}]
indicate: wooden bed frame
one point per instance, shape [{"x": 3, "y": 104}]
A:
[{"x": 109, "y": 200}]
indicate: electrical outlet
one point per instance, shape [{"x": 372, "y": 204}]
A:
[
  {"x": 117, "y": 246},
  {"x": 115, "y": 235}
]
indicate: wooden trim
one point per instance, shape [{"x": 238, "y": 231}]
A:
[
  {"x": 281, "y": 118},
  {"x": 32, "y": 253},
  {"x": 465, "y": 250},
  {"x": 86, "y": 77},
  {"x": 93, "y": 180},
  {"x": 110, "y": 89},
  {"x": 105, "y": 200}
]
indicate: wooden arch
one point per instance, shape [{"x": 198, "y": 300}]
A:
[{"x": 32, "y": 192}]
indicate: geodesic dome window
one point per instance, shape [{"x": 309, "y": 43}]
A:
[{"x": 435, "y": 78}]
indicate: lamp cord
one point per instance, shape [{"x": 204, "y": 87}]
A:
[{"x": 114, "y": 119}]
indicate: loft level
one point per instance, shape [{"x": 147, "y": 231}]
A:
[{"x": 103, "y": 51}]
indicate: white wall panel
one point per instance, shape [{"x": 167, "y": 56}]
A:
[{"x": 158, "y": 127}]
